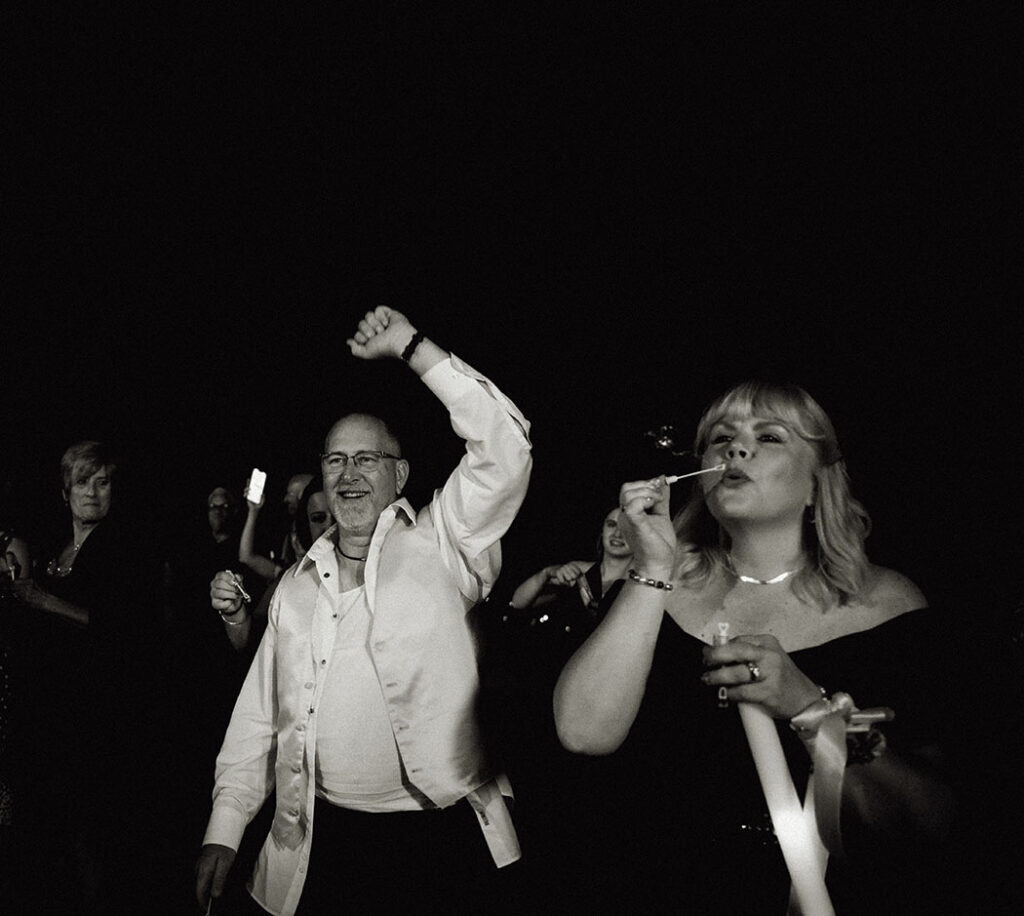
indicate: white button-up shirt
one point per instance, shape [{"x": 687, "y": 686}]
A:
[{"x": 424, "y": 572}]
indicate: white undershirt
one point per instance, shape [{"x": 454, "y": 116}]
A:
[{"x": 357, "y": 760}]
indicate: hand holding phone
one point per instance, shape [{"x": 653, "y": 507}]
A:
[{"x": 254, "y": 491}]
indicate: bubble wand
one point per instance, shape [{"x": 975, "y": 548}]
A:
[{"x": 674, "y": 478}]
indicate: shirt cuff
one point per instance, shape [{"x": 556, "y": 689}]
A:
[{"x": 226, "y": 826}]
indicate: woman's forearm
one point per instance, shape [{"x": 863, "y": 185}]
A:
[
  {"x": 42, "y": 600},
  {"x": 528, "y": 590},
  {"x": 601, "y": 687},
  {"x": 262, "y": 566}
]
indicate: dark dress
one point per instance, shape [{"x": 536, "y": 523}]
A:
[
  {"x": 675, "y": 820},
  {"x": 524, "y": 652},
  {"x": 89, "y": 707}
]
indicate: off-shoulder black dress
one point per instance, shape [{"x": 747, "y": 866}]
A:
[{"x": 675, "y": 820}]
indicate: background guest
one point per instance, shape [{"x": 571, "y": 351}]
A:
[
  {"x": 204, "y": 668},
  {"x": 85, "y": 658},
  {"x": 313, "y": 517},
  {"x": 266, "y": 563},
  {"x": 549, "y": 615},
  {"x": 14, "y": 564}
]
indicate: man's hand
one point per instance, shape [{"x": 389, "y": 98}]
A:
[
  {"x": 382, "y": 333},
  {"x": 212, "y": 869},
  {"x": 224, "y": 595}
]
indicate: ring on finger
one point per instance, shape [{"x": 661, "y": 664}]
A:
[{"x": 755, "y": 672}]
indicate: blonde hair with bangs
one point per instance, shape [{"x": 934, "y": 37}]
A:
[{"x": 834, "y": 539}]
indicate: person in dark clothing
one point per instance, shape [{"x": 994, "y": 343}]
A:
[{"x": 86, "y": 661}]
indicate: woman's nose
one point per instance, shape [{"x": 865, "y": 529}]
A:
[{"x": 737, "y": 450}]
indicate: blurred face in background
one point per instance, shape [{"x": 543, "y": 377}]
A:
[
  {"x": 612, "y": 542},
  {"x": 319, "y": 514},
  {"x": 89, "y": 494},
  {"x": 293, "y": 492},
  {"x": 219, "y": 507}
]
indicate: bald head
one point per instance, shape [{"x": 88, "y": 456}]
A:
[{"x": 367, "y": 423}]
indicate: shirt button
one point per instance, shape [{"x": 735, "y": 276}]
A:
[
  {"x": 309, "y": 685},
  {"x": 296, "y": 769},
  {"x": 327, "y": 575}
]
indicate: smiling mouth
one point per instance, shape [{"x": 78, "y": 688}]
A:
[{"x": 353, "y": 494}]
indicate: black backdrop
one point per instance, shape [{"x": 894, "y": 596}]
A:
[{"x": 615, "y": 211}]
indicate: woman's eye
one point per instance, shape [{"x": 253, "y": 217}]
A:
[
  {"x": 769, "y": 437},
  {"x": 719, "y": 439}
]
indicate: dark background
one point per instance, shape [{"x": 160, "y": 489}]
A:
[{"x": 613, "y": 210}]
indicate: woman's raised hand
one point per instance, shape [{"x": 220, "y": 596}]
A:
[
  {"x": 644, "y": 520},
  {"x": 245, "y": 494}
]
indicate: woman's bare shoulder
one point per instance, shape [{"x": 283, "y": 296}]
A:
[{"x": 889, "y": 594}]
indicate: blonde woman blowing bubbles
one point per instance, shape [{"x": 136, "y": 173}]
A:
[{"x": 772, "y": 547}]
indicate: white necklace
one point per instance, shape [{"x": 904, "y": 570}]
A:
[{"x": 781, "y": 577}]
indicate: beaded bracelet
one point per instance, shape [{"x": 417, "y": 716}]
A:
[{"x": 653, "y": 583}]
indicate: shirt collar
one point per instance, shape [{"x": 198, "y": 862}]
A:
[{"x": 323, "y": 546}]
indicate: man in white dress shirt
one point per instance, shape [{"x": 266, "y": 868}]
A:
[{"x": 360, "y": 706}]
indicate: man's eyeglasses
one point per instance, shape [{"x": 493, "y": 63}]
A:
[{"x": 335, "y": 462}]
